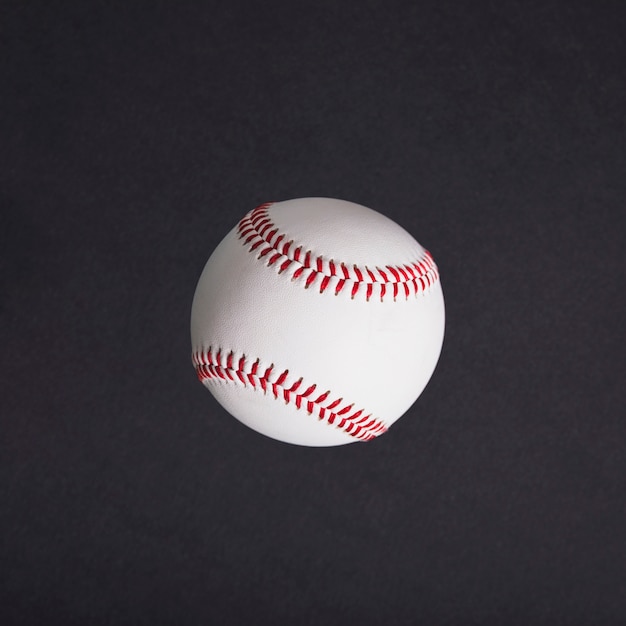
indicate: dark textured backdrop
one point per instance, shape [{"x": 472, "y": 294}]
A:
[{"x": 133, "y": 137}]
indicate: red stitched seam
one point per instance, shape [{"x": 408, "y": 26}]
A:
[
  {"x": 257, "y": 229},
  {"x": 336, "y": 412}
]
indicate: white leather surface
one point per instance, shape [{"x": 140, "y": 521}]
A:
[
  {"x": 377, "y": 355},
  {"x": 344, "y": 231}
]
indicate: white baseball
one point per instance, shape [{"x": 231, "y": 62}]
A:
[{"x": 317, "y": 321}]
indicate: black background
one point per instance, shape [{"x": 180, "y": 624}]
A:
[{"x": 134, "y": 136}]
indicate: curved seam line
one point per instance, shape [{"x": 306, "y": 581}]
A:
[
  {"x": 258, "y": 231},
  {"x": 358, "y": 424}
]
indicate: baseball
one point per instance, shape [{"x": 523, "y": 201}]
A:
[{"x": 317, "y": 322}]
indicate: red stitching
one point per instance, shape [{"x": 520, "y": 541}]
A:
[
  {"x": 310, "y": 279},
  {"x": 394, "y": 273},
  {"x": 266, "y": 226},
  {"x": 324, "y": 283},
  {"x": 257, "y": 228},
  {"x": 335, "y": 412}
]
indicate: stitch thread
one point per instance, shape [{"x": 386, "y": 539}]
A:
[
  {"x": 356, "y": 424},
  {"x": 256, "y": 229}
]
